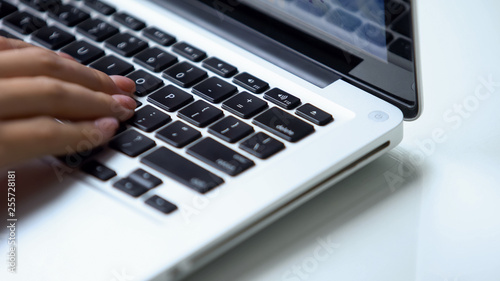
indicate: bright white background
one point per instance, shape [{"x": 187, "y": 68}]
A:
[{"x": 430, "y": 209}]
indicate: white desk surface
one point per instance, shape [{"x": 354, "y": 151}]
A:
[{"x": 430, "y": 209}]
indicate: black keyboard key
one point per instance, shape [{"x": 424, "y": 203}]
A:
[
  {"x": 100, "y": 7},
  {"x": 214, "y": 89},
  {"x": 220, "y": 157},
  {"x": 145, "y": 83},
  {"x": 126, "y": 44},
  {"x": 145, "y": 179},
  {"x": 244, "y": 105},
  {"x": 159, "y": 36},
  {"x": 68, "y": 15},
  {"x": 24, "y": 22},
  {"x": 97, "y": 29},
  {"x": 7, "y": 35},
  {"x": 403, "y": 25},
  {"x": 132, "y": 143},
  {"x": 219, "y": 67},
  {"x": 83, "y": 52},
  {"x": 200, "y": 113},
  {"x": 188, "y": 51},
  {"x": 149, "y": 118},
  {"x": 129, "y": 21},
  {"x": 98, "y": 170},
  {"x": 178, "y": 134},
  {"x": 402, "y": 48},
  {"x": 155, "y": 59},
  {"x": 112, "y": 65},
  {"x": 314, "y": 114},
  {"x": 43, "y": 5},
  {"x": 161, "y": 204},
  {"x": 230, "y": 129},
  {"x": 184, "y": 74},
  {"x": 262, "y": 146},
  {"x": 250, "y": 82},
  {"x": 182, "y": 170},
  {"x": 283, "y": 124},
  {"x": 282, "y": 98},
  {"x": 130, "y": 187},
  {"x": 6, "y": 8},
  {"x": 170, "y": 98},
  {"x": 52, "y": 37}
]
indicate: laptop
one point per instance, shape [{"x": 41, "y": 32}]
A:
[{"x": 246, "y": 110}]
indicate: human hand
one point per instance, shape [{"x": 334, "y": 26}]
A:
[{"x": 38, "y": 85}]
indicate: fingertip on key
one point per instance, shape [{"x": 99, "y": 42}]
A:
[
  {"x": 124, "y": 84},
  {"x": 107, "y": 126}
]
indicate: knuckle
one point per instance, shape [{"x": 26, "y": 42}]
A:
[
  {"x": 53, "y": 89},
  {"x": 103, "y": 80},
  {"x": 45, "y": 129},
  {"x": 46, "y": 60}
]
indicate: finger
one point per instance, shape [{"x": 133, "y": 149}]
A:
[
  {"x": 29, "y": 97},
  {"x": 40, "y": 62},
  {"x": 9, "y": 44},
  {"x": 66, "y": 56},
  {"x": 124, "y": 83},
  {"x": 21, "y": 140}
]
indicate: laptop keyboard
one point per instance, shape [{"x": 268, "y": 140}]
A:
[{"x": 189, "y": 100}]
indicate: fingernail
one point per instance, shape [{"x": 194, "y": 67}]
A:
[
  {"x": 107, "y": 126},
  {"x": 125, "y": 101},
  {"x": 124, "y": 84}
]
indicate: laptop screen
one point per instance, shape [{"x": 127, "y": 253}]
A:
[{"x": 367, "y": 42}]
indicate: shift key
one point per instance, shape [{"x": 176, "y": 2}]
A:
[{"x": 182, "y": 170}]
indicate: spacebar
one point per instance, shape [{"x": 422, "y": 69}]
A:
[{"x": 182, "y": 170}]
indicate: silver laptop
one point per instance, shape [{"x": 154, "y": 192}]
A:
[{"x": 246, "y": 109}]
